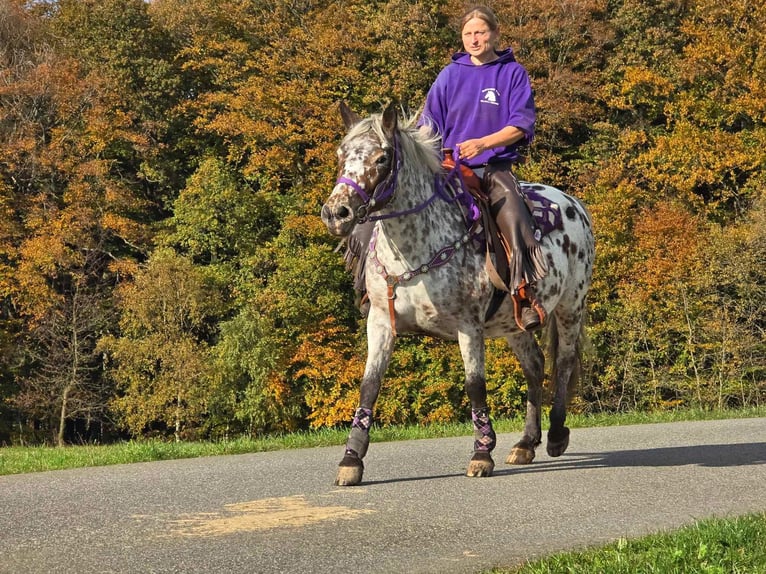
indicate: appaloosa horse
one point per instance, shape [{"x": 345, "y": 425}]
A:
[{"x": 426, "y": 273}]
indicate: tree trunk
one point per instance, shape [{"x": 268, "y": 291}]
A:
[
  {"x": 178, "y": 418},
  {"x": 63, "y": 415}
]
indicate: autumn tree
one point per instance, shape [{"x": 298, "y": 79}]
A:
[
  {"x": 188, "y": 146},
  {"x": 130, "y": 60},
  {"x": 65, "y": 382},
  {"x": 162, "y": 362},
  {"x": 19, "y": 57},
  {"x": 53, "y": 253},
  {"x": 683, "y": 131}
]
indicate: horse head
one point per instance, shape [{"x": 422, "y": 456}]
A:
[{"x": 367, "y": 167}]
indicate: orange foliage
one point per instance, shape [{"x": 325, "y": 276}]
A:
[
  {"x": 670, "y": 241},
  {"x": 330, "y": 370}
]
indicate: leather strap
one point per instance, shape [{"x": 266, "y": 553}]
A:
[{"x": 392, "y": 281}]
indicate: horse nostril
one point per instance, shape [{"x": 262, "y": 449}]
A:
[
  {"x": 342, "y": 212},
  {"x": 326, "y": 214}
]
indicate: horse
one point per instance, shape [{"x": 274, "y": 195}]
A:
[{"x": 427, "y": 273}]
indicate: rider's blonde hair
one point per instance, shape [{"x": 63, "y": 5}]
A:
[{"x": 483, "y": 13}]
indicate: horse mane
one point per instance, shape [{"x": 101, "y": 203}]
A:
[{"x": 419, "y": 146}]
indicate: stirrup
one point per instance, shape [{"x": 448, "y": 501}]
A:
[
  {"x": 530, "y": 319},
  {"x": 528, "y": 312}
]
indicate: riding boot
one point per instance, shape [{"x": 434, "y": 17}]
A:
[
  {"x": 355, "y": 257},
  {"x": 515, "y": 222}
]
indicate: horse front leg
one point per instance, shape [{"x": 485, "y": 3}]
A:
[
  {"x": 532, "y": 363},
  {"x": 380, "y": 346},
  {"x": 472, "y": 351}
]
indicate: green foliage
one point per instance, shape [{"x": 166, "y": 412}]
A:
[
  {"x": 163, "y": 370},
  {"x": 247, "y": 357},
  {"x": 217, "y": 219}
]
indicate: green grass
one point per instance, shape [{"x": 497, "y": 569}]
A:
[
  {"x": 715, "y": 546},
  {"x": 15, "y": 460}
]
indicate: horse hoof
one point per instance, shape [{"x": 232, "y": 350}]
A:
[
  {"x": 520, "y": 455},
  {"x": 481, "y": 465},
  {"x": 349, "y": 476},
  {"x": 350, "y": 471},
  {"x": 557, "y": 442}
]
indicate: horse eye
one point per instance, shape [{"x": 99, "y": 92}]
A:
[{"x": 382, "y": 160}]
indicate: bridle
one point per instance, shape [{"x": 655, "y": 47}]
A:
[{"x": 384, "y": 192}]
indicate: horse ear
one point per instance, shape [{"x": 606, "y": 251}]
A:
[
  {"x": 390, "y": 119},
  {"x": 350, "y": 118}
]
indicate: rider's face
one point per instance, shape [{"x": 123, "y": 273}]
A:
[{"x": 479, "y": 40}]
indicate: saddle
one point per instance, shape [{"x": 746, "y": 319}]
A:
[{"x": 547, "y": 217}]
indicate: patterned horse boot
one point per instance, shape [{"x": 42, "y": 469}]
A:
[
  {"x": 356, "y": 258},
  {"x": 481, "y": 463},
  {"x": 518, "y": 228},
  {"x": 351, "y": 468}
]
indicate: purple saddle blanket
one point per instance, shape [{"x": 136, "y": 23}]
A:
[{"x": 545, "y": 212}]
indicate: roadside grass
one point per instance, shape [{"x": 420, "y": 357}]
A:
[
  {"x": 712, "y": 546},
  {"x": 16, "y": 459}
]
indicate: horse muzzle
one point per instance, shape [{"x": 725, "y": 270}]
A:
[{"x": 339, "y": 218}]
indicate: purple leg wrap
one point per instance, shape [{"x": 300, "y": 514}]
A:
[
  {"x": 359, "y": 437},
  {"x": 483, "y": 431}
]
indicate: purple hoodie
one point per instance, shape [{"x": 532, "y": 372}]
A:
[{"x": 468, "y": 101}]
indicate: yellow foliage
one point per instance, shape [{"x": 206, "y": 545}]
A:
[
  {"x": 671, "y": 244},
  {"x": 640, "y": 86}
]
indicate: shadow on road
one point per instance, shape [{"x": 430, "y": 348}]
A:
[
  {"x": 718, "y": 455},
  {"x": 412, "y": 478}
]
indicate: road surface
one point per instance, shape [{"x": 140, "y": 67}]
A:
[{"x": 415, "y": 512}]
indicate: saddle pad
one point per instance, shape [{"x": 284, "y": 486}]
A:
[{"x": 546, "y": 213}]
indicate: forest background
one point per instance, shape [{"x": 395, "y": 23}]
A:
[{"x": 163, "y": 269}]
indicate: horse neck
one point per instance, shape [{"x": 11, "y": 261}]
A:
[{"x": 410, "y": 240}]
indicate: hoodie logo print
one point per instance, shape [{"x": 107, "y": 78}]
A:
[{"x": 490, "y": 96}]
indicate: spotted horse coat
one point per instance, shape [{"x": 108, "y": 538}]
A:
[{"x": 425, "y": 276}]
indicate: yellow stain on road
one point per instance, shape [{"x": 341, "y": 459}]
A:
[{"x": 265, "y": 514}]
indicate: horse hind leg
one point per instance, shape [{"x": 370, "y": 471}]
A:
[
  {"x": 565, "y": 333},
  {"x": 532, "y": 363}
]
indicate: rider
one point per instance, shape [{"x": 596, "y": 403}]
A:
[{"x": 482, "y": 105}]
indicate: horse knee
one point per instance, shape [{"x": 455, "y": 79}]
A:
[{"x": 476, "y": 389}]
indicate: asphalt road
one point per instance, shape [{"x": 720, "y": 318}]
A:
[{"x": 415, "y": 512}]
